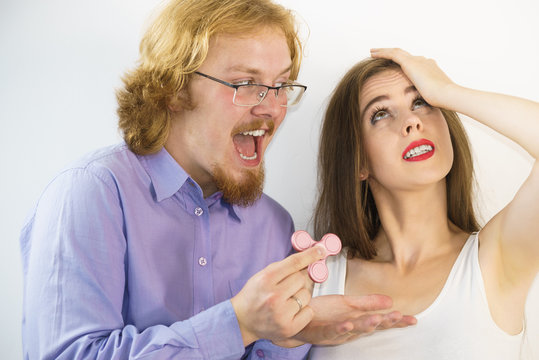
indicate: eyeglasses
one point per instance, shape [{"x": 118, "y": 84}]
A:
[{"x": 288, "y": 94}]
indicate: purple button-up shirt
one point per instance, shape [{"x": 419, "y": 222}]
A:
[{"x": 124, "y": 258}]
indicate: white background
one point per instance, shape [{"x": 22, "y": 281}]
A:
[{"x": 60, "y": 61}]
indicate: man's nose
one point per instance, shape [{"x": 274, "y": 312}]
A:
[{"x": 270, "y": 106}]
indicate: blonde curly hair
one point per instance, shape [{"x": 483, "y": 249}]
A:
[{"x": 174, "y": 46}]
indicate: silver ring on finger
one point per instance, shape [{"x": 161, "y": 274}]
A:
[{"x": 298, "y": 301}]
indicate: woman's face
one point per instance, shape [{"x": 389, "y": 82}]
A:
[{"x": 407, "y": 141}]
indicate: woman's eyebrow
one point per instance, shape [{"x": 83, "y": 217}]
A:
[
  {"x": 376, "y": 99},
  {"x": 410, "y": 89}
]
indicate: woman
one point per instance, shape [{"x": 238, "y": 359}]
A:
[{"x": 396, "y": 180}]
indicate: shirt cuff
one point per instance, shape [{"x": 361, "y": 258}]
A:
[
  {"x": 265, "y": 349},
  {"x": 218, "y": 332}
]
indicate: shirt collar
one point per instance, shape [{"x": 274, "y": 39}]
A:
[
  {"x": 233, "y": 210},
  {"x": 217, "y": 198},
  {"x": 168, "y": 177},
  {"x": 166, "y": 174}
]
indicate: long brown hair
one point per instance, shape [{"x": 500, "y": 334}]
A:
[
  {"x": 345, "y": 204},
  {"x": 175, "y": 45}
]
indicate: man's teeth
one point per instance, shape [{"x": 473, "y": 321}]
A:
[
  {"x": 255, "y": 155},
  {"x": 418, "y": 150},
  {"x": 254, "y": 132}
]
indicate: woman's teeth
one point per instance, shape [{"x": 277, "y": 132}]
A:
[{"x": 418, "y": 150}]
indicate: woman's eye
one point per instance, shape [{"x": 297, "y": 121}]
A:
[
  {"x": 419, "y": 103},
  {"x": 379, "y": 115}
]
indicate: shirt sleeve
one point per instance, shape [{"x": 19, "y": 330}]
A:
[
  {"x": 74, "y": 265},
  {"x": 266, "y": 350}
]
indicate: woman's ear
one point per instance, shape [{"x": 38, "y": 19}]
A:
[{"x": 363, "y": 175}]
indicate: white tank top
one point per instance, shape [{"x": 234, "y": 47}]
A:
[{"x": 456, "y": 326}]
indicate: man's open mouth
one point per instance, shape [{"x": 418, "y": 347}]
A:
[{"x": 247, "y": 143}]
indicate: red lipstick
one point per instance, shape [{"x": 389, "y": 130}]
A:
[{"x": 418, "y": 150}]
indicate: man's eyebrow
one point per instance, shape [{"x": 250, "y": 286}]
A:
[{"x": 254, "y": 71}]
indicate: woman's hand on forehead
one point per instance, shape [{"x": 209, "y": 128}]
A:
[{"x": 431, "y": 82}]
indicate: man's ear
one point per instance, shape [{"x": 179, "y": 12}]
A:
[
  {"x": 175, "y": 103},
  {"x": 180, "y": 101}
]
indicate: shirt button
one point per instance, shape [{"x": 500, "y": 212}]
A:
[
  {"x": 202, "y": 261},
  {"x": 199, "y": 211},
  {"x": 260, "y": 353}
]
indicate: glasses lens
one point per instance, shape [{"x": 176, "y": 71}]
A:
[
  {"x": 252, "y": 95},
  {"x": 293, "y": 94},
  {"x": 249, "y": 95}
]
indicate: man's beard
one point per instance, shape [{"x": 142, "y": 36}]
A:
[{"x": 243, "y": 193}]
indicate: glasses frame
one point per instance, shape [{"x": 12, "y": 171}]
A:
[{"x": 236, "y": 87}]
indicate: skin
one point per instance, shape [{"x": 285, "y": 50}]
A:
[
  {"x": 201, "y": 141},
  {"x": 411, "y": 265},
  {"x": 405, "y": 119},
  {"x": 417, "y": 243}
]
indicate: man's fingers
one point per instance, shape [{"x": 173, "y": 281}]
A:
[
  {"x": 396, "y": 320},
  {"x": 367, "y": 324},
  {"x": 369, "y": 302},
  {"x": 406, "y": 320},
  {"x": 298, "y": 261},
  {"x": 334, "y": 334},
  {"x": 390, "y": 320},
  {"x": 344, "y": 328},
  {"x": 298, "y": 301},
  {"x": 292, "y": 284},
  {"x": 301, "y": 319}
]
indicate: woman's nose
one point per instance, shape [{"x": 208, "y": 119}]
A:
[{"x": 411, "y": 123}]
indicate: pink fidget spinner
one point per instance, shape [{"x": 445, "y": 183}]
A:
[{"x": 318, "y": 271}]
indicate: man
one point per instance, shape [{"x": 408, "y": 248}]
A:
[{"x": 140, "y": 250}]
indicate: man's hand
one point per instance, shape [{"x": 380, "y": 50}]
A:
[
  {"x": 273, "y": 304},
  {"x": 341, "y": 318}
]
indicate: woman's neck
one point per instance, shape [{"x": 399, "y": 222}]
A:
[{"x": 414, "y": 225}]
